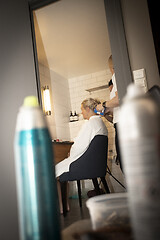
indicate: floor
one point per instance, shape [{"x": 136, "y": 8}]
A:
[{"x": 76, "y": 213}]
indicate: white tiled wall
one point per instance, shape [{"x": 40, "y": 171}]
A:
[
  {"x": 61, "y": 102},
  {"x": 78, "y": 86},
  {"x": 58, "y": 122},
  {"x": 45, "y": 79},
  {"x": 67, "y": 95}
]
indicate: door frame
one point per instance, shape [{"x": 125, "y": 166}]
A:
[{"x": 34, "y": 5}]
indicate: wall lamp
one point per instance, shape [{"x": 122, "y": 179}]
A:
[{"x": 46, "y": 100}]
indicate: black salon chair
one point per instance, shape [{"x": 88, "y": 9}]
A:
[{"x": 91, "y": 165}]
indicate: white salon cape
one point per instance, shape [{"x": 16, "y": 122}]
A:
[
  {"x": 94, "y": 126},
  {"x": 112, "y": 95}
]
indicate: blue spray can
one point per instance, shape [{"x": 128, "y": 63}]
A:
[{"x": 36, "y": 183}]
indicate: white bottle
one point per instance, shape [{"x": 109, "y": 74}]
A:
[
  {"x": 71, "y": 117},
  {"x": 139, "y": 132},
  {"x": 75, "y": 116}
]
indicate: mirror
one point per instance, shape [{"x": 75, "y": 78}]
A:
[{"x": 73, "y": 48}]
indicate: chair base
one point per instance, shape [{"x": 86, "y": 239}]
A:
[
  {"x": 64, "y": 197},
  {"x": 96, "y": 186}
]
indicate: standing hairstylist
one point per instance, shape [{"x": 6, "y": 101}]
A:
[{"x": 113, "y": 105}]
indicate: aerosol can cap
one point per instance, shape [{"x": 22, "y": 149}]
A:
[
  {"x": 30, "y": 101},
  {"x": 30, "y": 115}
]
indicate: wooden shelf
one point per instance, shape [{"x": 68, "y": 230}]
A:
[{"x": 97, "y": 88}]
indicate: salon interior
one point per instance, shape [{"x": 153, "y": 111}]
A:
[
  {"x": 67, "y": 44},
  {"x": 73, "y": 48}
]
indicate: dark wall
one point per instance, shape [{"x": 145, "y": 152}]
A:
[
  {"x": 118, "y": 46},
  {"x": 155, "y": 19},
  {"x": 17, "y": 78},
  {"x": 139, "y": 38}
]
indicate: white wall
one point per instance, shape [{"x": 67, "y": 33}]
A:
[
  {"x": 67, "y": 95},
  {"x": 58, "y": 121},
  {"x": 78, "y": 86},
  {"x": 45, "y": 80},
  {"x": 61, "y": 102}
]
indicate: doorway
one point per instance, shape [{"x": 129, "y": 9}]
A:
[
  {"x": 73, "y": 48},
  {"x": 75, "y": 71}
]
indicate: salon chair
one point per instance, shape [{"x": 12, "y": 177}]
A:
[{"x": 91, "y": 165}]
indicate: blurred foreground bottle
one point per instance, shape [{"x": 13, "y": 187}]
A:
[
  {"x": 139, "y": 130},
  {"x": 36, "y": 183}
]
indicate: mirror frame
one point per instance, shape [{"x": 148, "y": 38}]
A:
[{"x": 34, "y": 5}]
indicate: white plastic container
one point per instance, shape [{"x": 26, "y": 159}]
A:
[
  {"x": 139, "y": 134},
  {"x": 109, "y": 209}
]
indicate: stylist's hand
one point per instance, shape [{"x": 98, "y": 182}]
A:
[{"x": 99, "y": 107}]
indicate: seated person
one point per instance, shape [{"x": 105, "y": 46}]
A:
[{"x": 94, "y": 126}]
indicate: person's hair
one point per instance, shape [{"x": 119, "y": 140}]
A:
[
  {"x": 110, "y": 83},
  {"x": 91, "y": 103}
]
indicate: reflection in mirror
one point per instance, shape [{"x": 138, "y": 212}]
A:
[
  {"x": 46, "y": 100},
  {"x": 73, "y": 49}
]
